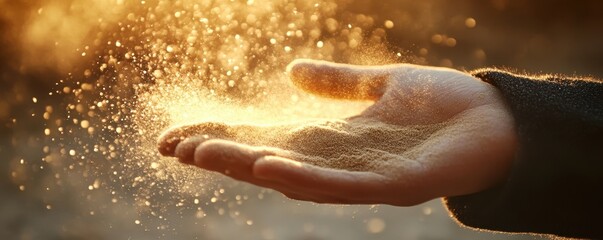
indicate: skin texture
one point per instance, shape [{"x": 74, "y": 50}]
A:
[{"x": 473, "y": 152}]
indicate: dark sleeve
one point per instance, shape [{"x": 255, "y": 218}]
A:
[{"x": 556, "y": 181}]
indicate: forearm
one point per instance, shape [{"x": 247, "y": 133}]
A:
[{"x": 556, "y": 181}]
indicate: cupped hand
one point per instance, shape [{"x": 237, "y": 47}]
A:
[{"x": 432, "y": 132}]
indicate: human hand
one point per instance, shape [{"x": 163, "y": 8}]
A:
[{"x": 432, "y": 132}]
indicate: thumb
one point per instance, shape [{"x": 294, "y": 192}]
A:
[{"x": 342, "y": 81}]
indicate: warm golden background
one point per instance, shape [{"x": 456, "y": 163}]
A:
[{"x": 87, "y": 85}]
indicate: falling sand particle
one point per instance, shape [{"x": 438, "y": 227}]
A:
[{"x": 147, "y": 66}]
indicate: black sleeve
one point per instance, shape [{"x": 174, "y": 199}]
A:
[{"x": 556, "y": 182}]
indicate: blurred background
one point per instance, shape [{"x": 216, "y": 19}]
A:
[{"x": 86, "y": 87}]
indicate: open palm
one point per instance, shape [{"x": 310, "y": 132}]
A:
[{"x": 432, "y": 132}]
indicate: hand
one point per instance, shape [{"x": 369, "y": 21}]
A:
[{"x": 432, "y": 132}]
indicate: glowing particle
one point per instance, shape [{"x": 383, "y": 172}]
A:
[
  {"x": 35, "y": 100},
  {"x": 249, "y": 222},
  {"x": 375, "y": 225},
  {"x": 80, "y": 108},
  {"x": 118, "y": 43},
  {"x": 446, "y": 63},
  {"x": 437, "y": 38},
  {"x": 72, "y": 152},
  {"x": 196, "y": 201},
  {"x": 170, "y": 48},
  {"x": 423, "y": 51},
  {"x": 479, "y": 54},
  {"x": 272, "y": 41},
  {"x": 470, "y": 22},
  {"x": 154, "y": 165},
  {"x": 22, "y": 187},
  {"x": 320, "y": 44},
  {"x": 47, "y": 132},
  {"x": 87, "y": 86},
  {"x": 96, "y": 184},
  {"x": 213, "y": 199},
  {"x": 231, "y": 83},
  {"x": 388, "y": 24},
  {"x": 177, "y": 14},
  {"x": 157, "y": 73},
  {"x": 251, "y": 19},
  {"x": 451, "y": 42},
  {"x": 131, "y": 17},
  {"x": 288, "y": 49},
  {"x": 85, "y": 124},
  {"x": 118, "y": 130},
  {"x": 353, "y": 43},
  {"x": 331, "y": 24},
  {"x": 137, "y": 221}
]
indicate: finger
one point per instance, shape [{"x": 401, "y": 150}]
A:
[
  {"x": 332, "y": 185},
  {"x": 339, "y": 80},
  {"x": 169, "y": 140},
  {"x": 235, "y": 160},
  {"x": 232, "y": 159},
  {"x": 185, "y": 150}
]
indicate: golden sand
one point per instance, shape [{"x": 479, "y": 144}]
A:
[{"x": 357, "y": 144}]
